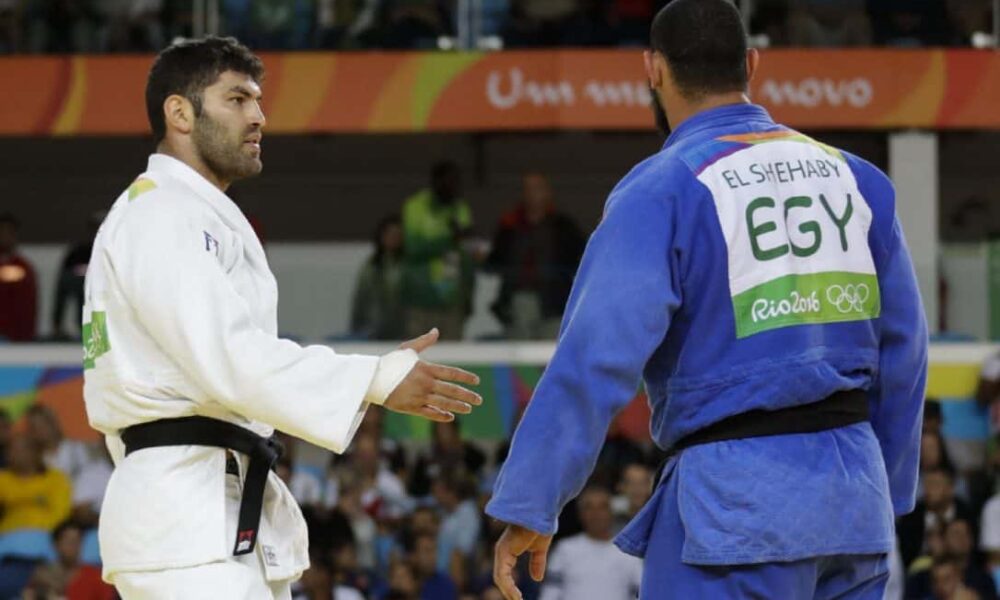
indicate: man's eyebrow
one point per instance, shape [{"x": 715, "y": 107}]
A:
[{"x": 239, "y": 89}]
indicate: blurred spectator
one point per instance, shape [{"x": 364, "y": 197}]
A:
[
  {"x": 455, "y": 494},
  {"x": 934, "y": 455},
  {"x": 414, "y": 24},
  {"x": 11, "y": 14},
  {"x": 362, "y": 525},
  {"x": 937, "y": 508},
  {"x": 933, "y": 420},
  {"x": 349, "y": 573},
  {"x": 319, "y": 582},
  {"x": 632, "y": 19},
  {"x": 934, "y": 548},
  {"x": 448, "y": 454},
  {"x": 434, "y": 583},
  {"x": 377, "y": 309},
  {"x": 18, "y": 288},
  {"x": 771, "y": 19},
  {"x": 946, "y": 581},
  {"x": 635, "y": 486},
  {"x": 591, "y": 25},
  {"x": 438, "y": 276},
  {"x": 536, "y": 251},
  {"x": 305, "y": 486},
  {"x": 957, "y": 546},
  {"x": 959, "y": 541},
  {"x": 989, "y": 525},
  {"x": 63, "y": 26},
  {"x": 969, "y": 17},
  {"x": 90, "y": 485},
  {"x": 66, "y": 455},
  {"x": 279, "y": 24},
  {"x": 830, "y": 23},
  {"x": 5, "y": 433},
  {"x": 132, "y": 25},
  {"x": 69, "y": 287},
  {"x": 346, "y": 23},
  {"x": 540, "y": 22},
  {"x": 589, "y": 566},
  {"x": 988, "y": 389},
  {"x": 67, "y": 578},
  {"x": 402, "y": 582},
  {"x": 382, "y": 494},
  {"x": 909, "y": 23},
  {"x": 31, "y": 495}
]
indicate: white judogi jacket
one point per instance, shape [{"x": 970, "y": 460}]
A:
[{"x": 180, "y": 319}]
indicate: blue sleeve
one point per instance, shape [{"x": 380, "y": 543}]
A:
[
  {"x": 618, "y": 314},
  {"x": 897, "y": 394}
]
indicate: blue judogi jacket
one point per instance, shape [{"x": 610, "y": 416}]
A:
[{"x": 744, "y": 266}]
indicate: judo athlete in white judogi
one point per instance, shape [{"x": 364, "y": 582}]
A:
[{"x": 184, "y": 372}]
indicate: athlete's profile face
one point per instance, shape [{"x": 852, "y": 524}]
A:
[{"x": 227, "y": 134}]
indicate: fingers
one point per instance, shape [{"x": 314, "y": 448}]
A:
[
  {"x": 423, "y": 342},
  {"x": 456, "y": 392},
  {"x": 452, "y": 374},
  {"x": 434, "y": 414},
  {"x": 504, "y": 562},
  {"x": 539, "y": 557},
  {"x": 445, "y": 404}
]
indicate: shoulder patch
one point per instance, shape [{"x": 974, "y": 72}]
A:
[{"x": 140, "y": 186}]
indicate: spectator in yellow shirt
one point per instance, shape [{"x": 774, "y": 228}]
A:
[{"x": 31, "y": 495}]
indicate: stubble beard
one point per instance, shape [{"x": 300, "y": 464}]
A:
[{"x": 221, "y": 153}]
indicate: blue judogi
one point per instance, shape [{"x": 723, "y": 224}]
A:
[{"x": 745, "y": 266}]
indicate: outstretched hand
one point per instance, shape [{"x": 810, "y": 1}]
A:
[{"x": 430, "y": 390}]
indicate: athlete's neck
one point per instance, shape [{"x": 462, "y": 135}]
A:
[
  {"x": 190, "y": 157},
  {"x": 682, "y": 110}
]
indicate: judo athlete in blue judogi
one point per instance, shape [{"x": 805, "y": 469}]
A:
[{"x": 759, "y": 283}]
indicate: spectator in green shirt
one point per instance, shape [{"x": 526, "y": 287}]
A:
[{"x": 438, "y": 273}]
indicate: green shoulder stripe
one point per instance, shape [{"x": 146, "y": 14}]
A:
[{"x": 140, "y": 186}]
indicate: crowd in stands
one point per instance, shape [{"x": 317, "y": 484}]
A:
[
  {"x": 395, "y": 519},
  {"x": 146, "y": 25},
  {"x": 387, "y": 520}
]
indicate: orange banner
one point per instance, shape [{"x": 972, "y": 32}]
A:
[{"x": 572, "y": 89}]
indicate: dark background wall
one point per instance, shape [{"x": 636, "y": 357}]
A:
[{"x": 335, "y": 188}]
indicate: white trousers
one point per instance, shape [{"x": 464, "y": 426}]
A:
[
  {"x": 239, "y": 578},
  {"x": 236, "y": 578}
]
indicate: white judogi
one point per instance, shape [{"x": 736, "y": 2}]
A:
[{"x": 181, "y": 319}]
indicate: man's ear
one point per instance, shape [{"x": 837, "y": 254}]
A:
[
  {"x": 753, "y": 61},
  {"x": 178, "y": 113},
  {"x": 652, "y": 72}
]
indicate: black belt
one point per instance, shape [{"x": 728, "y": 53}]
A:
[
  {"x": 202, "y": 431},
  {"x": 837, "y": 410}
]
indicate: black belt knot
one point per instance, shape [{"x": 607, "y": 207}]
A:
[{"x": 203, "y": 431}]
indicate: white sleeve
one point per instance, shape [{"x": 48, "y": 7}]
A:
[{"x": 181, "y": 296}]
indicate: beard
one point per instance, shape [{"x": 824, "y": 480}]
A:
[
  {"x": 662, "y": 123},
  {"x": 222, "y": 152}
]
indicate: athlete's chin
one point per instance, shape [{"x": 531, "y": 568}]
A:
[{"x": 251, "y": 167}]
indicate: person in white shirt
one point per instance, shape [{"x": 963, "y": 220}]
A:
[
  {"x": 588, "y": 566},
  {"x": 184, "y": 373},
  {"x": 59, "y": 452}
]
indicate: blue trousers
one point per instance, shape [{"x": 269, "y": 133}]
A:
[{"x": 665, "y": 576}]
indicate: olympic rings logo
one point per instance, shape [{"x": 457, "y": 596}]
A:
[{"x": 849, "y": 298}]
